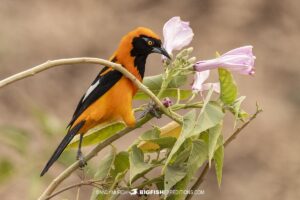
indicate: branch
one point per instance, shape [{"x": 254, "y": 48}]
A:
[
  {"x": 70, "y": 61},
  {"x": 226, "y": 143}
]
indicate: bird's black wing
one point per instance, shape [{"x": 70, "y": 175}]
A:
[{"x": 99, "y": 86}]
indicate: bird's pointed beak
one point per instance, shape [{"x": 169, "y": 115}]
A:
[{"x": 162, "y": 51}]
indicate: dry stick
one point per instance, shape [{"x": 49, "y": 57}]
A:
[
  {"x": 69, "y": 61},
  {"x": 67, "y": 172},
  {"x": 226, "y": 143}
]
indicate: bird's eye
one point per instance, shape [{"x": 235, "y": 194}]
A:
[{"x": 150, "y": 43}]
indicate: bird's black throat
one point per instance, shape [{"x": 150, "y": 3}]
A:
[{"x": 139, "y": 63}]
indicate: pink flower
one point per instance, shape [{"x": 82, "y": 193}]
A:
[
  {"x": 240, "y": 59},
  {"x": 200, "y": 86},
  {"x": 177, "y": 34}
]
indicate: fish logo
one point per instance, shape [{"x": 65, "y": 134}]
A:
[{"x": 133, "y": 192}]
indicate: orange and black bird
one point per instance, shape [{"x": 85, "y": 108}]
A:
[{"x": 109, "y": 97}]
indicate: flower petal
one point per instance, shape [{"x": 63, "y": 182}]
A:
[
  {"x": 177, "y": 34},
  {"x": 199, "y": 79},
  {"x": 241, "y": 50},
  {"x": 240, "y": 59}
]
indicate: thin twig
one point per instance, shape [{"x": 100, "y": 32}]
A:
[
  {"x": 78, "y": 192},
  {"x": 71, "y": 61},
  {"x": 226, "y": 143},
  {"x": 186, "y": 106},
  {"x": 84, "y": 183}
]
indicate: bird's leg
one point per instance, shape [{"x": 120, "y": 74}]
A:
[{"x": 80, "y": 156}]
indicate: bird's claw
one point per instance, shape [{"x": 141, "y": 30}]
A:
[
  {"x": 154, "y": 110},
  {"x": 81, "y": 159}
]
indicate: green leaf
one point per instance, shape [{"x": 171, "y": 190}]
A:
[
  {"x": 188, "y": 126},
  {"x": 164, "y": 142},
  {"x": 211, "y": 115},
  {"x": 197, "y": 157},
  {"x": 155, "y": 82},
  {"x": 117, "y": 179},
  {"x": 173, "y": 174},
  {"x": 151, "y": 141},
  {"x": 157, "y": 144},
  {"x": 103, "y": 173},
  {"x": 214, "y": 134},
  {"x": 182, "y": 154},
  {"x": 150, "y": 134},
  {"x": 137, "y": 164},
  {"x": 167, "y": 137},
  {"x": 228, "y": 86},
  {"x": 237, "y": 105},
  {"x": 98, "y": 135},
  {"x": 106, "y": 165},
  {"x": 113, "y": 166},
  {"x": 170, "y": 92},
  {"x": 177, "y": 81},
  {"x": 219, "y": 158},
  {"x": 121, "y": 163},
  {"x": 239, "y": 114}
]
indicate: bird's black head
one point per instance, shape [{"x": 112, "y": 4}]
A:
[{"x": 144, "y": 45}]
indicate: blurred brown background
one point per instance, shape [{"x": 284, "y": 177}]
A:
[{"x": 264, "y": 162}]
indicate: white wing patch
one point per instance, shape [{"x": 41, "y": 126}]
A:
[{"x": 91, "y": 89}]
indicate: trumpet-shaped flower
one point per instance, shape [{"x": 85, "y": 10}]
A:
[
  {"x": 240, "y": 59},
  {"x": 177, "y": 34},
  {"x": 200, "y": 86}
]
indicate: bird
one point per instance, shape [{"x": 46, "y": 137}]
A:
[{"x": 109, "y": 97}]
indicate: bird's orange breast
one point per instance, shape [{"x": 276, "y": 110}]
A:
[{"x": 115, "y": 104}]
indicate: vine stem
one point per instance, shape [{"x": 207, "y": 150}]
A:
[
  {"x": 71, "y": 61},
  {"x": 226, "y": 143}
]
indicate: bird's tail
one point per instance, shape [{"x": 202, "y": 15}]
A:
[{"x": 63, "y": 144}]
